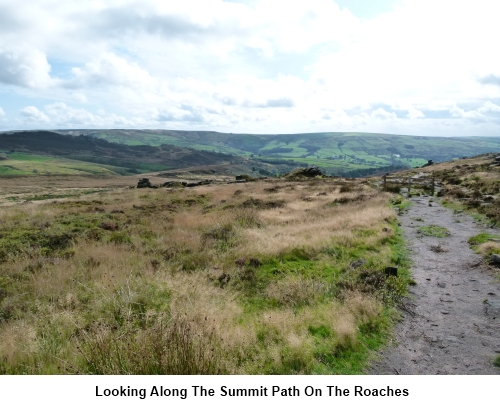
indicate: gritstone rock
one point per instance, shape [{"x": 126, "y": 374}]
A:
[{"x": 144, "y": 183}]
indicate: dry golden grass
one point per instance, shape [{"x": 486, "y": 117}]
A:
[
  {"x": 488, "y": 248},
  {"x": 139, "y": 260}
]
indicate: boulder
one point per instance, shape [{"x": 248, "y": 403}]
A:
[
  {"x": 244, "y": 177},
  {"x": 495, "y": 259},
  {"x": 391, "y": 271},
  {"x": 144, "y": 183},
  {"x": 198, "y": 183}
]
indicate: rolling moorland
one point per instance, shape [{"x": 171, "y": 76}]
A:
[
  {"x": 271, "y": 276},
  {"x": 337, "y": 153},
  {"x": 260, "y": 277},
  {"x": 126, "y": 152}
]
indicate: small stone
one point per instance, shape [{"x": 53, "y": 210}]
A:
[
  {"x": 495, "y": 259},
  {"x": 442, "y": 285},
  {"x": 391, "y": 271}
]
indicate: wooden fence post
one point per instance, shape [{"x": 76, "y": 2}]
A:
[
  {"x": 409, "y": 186},
  {"x": 432, "y": 187},
  {"x": 385, "y": 180}
]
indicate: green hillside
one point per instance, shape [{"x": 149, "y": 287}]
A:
[
  {"x": 335, "y": 152},
  {"x": 24, "y": 164}
]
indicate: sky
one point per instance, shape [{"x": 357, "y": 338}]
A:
[{"x": 415, "y": 67}]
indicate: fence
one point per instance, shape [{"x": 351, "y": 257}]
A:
[{"x": 422, "y": 182}]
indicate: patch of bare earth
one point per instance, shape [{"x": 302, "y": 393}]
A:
[{"x": 452, "y": 325}]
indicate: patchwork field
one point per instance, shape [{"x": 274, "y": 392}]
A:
[
  {"x": 24, "y": 164},
  {"x": 337, "y": 153}
]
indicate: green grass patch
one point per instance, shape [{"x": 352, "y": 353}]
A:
[
  {"x": 51, "y": 166},
  {"x": 434, "y": 230},
  {"x": 482, "y": 237},
  {"x": 29, "y": 158}
]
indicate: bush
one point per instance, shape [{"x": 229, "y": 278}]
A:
[
  {"x": 222, "y": 236},
  {"x": 119, "y": 238}
]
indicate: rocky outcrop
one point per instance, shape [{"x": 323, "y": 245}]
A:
[
  {"x": 144, "y": 183},
  {"x": 306, "y": 172}
]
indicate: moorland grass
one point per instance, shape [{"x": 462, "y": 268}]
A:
[{"x": 176, "y": 281}]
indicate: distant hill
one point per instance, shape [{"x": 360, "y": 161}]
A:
[
  {"x": 346, "y": 154},
  {"x": 335, "y": 152},
  {"x": 136, "y": 158}
]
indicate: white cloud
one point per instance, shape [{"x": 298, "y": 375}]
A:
[
  {"x": 108, "y": 70},
  {"x": 382, "y": 114},
  {"x": 489, "y": 108},
  {"x": 264, "y": 66},
  {"x": 414, "y": 113},
  {"x": 79, "y": 97},
  {"x": 2, "y": 112},
  {"x": 25, "y": 68},
  {"x": 34, "y": 114},
  {"x": 63, "y": 115}
]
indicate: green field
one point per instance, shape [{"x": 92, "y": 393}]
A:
[
  {"x": 335, "y": 152},
  {"x": 24, "y": 164}
]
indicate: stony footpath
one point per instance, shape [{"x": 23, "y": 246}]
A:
[{"x": 452, "y": 323}]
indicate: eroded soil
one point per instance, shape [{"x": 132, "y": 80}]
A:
[{"x": 452, "y": 324}]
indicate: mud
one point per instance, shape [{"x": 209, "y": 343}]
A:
[{"x": 451, "y": 324}]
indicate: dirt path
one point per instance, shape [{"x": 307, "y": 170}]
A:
[{"x": 455, "y": 325}]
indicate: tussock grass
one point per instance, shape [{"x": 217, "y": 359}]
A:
[
  {"x": 199, "y": 281},
  {"x": 485, "y": 243},
  {"x": 489, "y": 248}
]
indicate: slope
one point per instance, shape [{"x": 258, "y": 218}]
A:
[{"x": 334, "y": 152}]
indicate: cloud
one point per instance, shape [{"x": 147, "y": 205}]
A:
[
  {"x": 24, "y": 68},
  {"x": 34, "y": 114},
  {"x": 414, "y": 113},
  {"x": 280, "y": 102},
  {"x": 491, "y": 79},
  {"x": 119, "y": 21},
  {"x": 382, "y": 114},
  {"x": 108, "y": 70},
  {"x": 184, "y": 113},
  {"x": 489, "y": 108},
  {"x": 79, "y": 97},
  {"x": 63, "y": 115},
  {"x": 259, "y": 65},
  {"x": 2, "y": 112}
]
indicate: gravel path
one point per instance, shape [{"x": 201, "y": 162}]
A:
[{"x": 453, "y": 325}]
